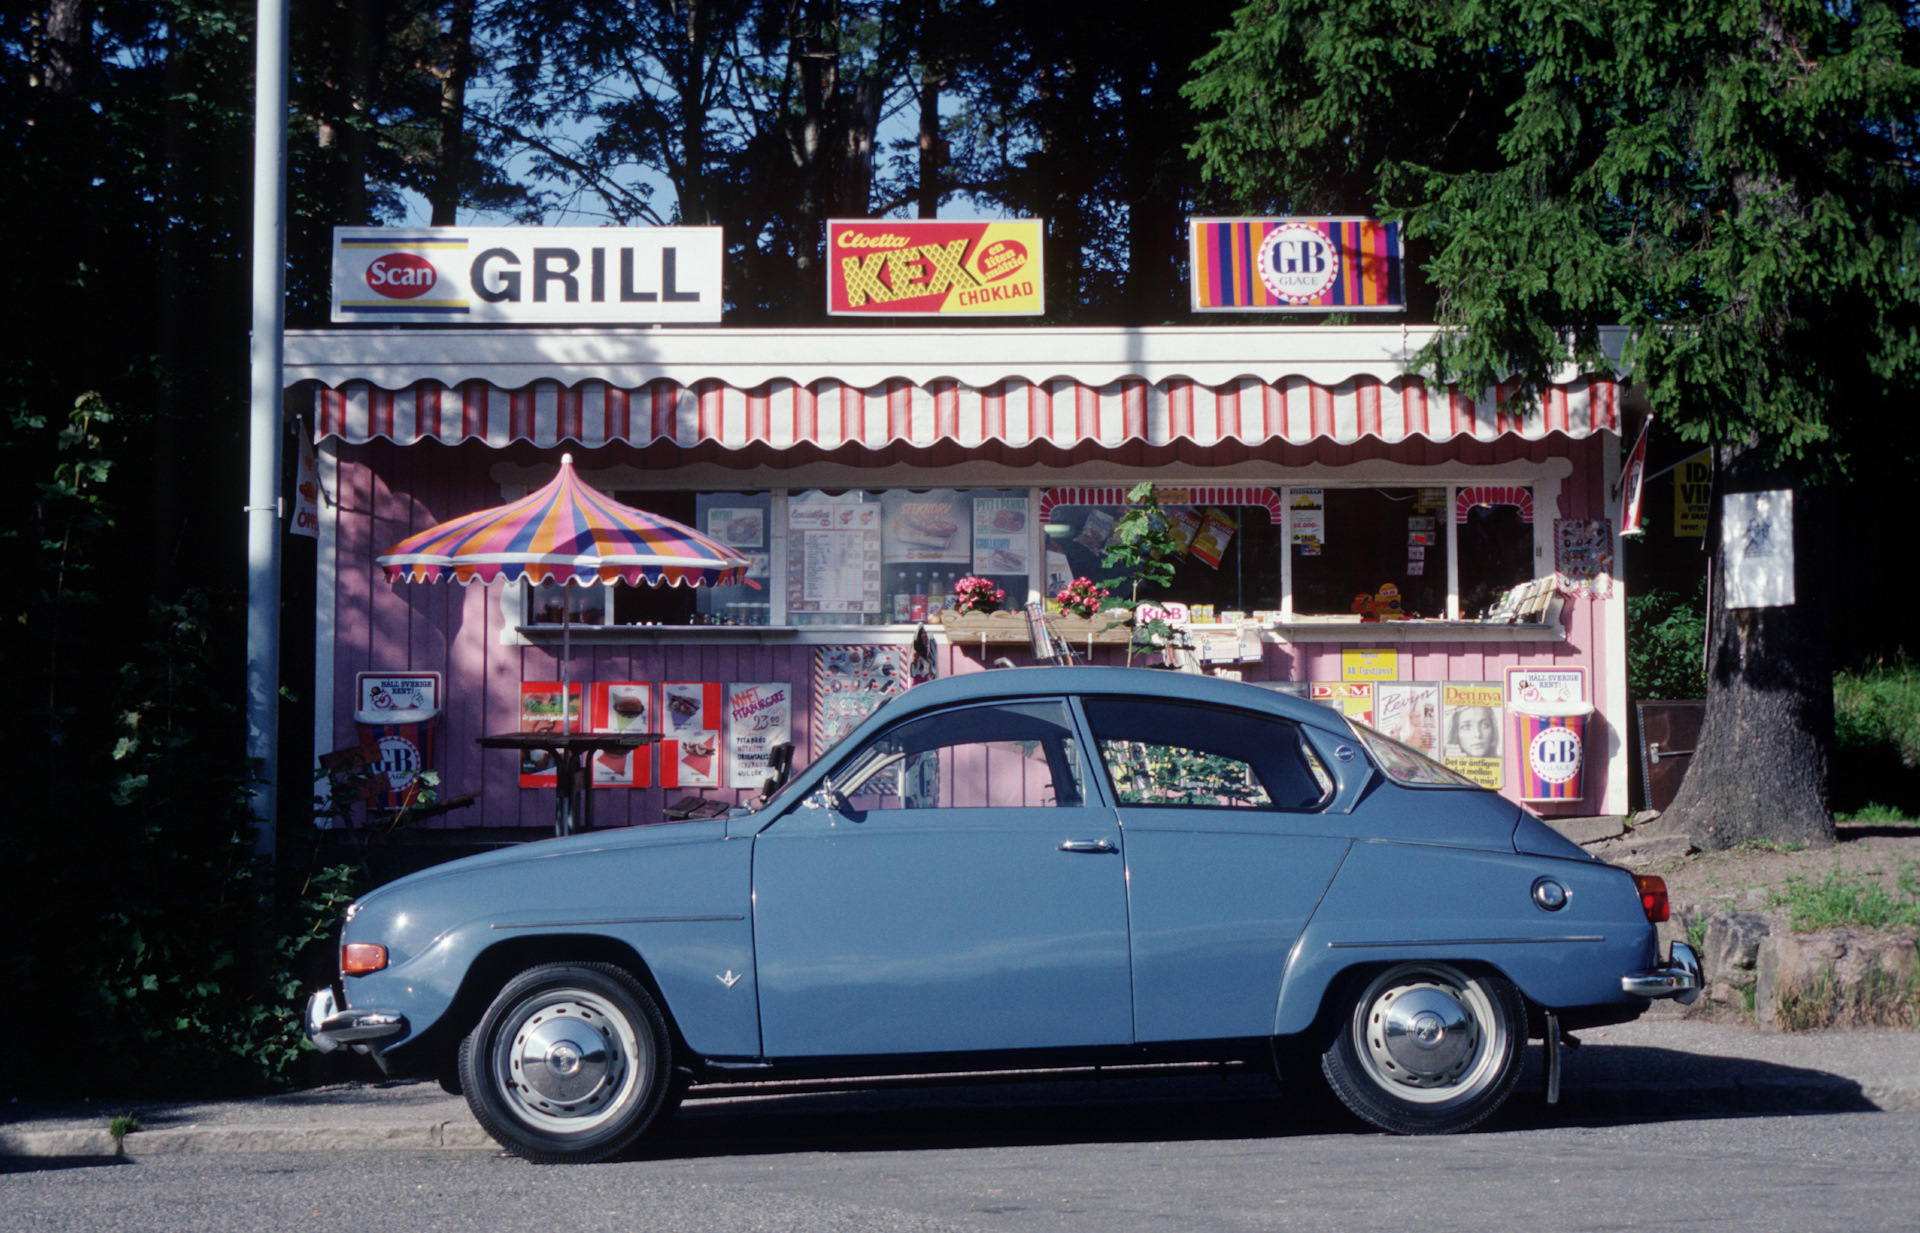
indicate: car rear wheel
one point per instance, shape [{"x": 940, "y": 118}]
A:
[
  {"x": 1428, "y": 1048},
  {"x": 571, "y": 1063}
]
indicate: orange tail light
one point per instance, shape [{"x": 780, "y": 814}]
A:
[
  {"x": 1653, "y": 896},
  {"x": 359, "y": 958}
]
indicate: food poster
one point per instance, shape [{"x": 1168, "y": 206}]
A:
[
  {"x": 690, "y": 730},
  {"x": 1307, "y": 517},
  {"x": 849, "y": 684},
  {"x": 1354, "y": 699},
  {"x": 1000, "y": 539},
  {"x": 738, "y": 528},
  {"x": 1553, "y": 686},
  {"x": 1409, "y": 712},
  {"x": 833, "y": 554},
  {"x": 621, "y": 706},
  {"x": 1473, "y": 715},
  {"x": 1216, "y": 532},
  {"x": 759, "y": 716},
  {"x": 540, "y": 712},
  {"x": 927, "y": 528}
]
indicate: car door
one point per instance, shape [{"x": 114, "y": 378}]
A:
[
  {"x": 1227, "y": 854},
  {"x": 968, "y": 894}
]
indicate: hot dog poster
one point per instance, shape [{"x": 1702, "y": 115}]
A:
[
  {"x": 759, "y": 716},
  {"x": 927, "y": 527},
  {"x": 621, "y": 706},
  {"x": 690, "y": 723},
  {"x": 1000, "y": 536},
  {"x": 540, "y": 712},
  {"x": 923, "y": 267}
]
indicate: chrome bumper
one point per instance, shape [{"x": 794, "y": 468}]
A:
[
  {"x": 329, "y": 1027},
  {"x": 1680, "y": 979}
]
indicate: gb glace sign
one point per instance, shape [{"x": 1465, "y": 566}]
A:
[{"x": 527, "y": 275}]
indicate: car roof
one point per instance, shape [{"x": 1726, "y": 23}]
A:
[{"x": 999, "y": 683}]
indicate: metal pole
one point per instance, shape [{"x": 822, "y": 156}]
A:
[{"x": 264, "y": 428}]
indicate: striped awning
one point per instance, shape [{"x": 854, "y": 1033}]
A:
[
  {"x": 1062, "y": 412},
  {"x": 879, "y": 388}
]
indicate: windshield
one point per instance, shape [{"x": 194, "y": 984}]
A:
[{"x": 1404, "y": 764}]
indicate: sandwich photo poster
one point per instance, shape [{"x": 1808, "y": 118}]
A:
[
  {"x": 933, "y": 527},
  {"x": 690, "y": 714},
  {"x": 621, "y": 706},
  {"x": 540, "y": 712}
]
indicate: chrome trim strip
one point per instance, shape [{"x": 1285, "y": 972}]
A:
[
  {"x": 1578, "y": 937},
  {"x": 615, "y": 920}
]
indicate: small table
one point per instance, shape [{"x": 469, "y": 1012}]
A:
[{"x": 568, "y": 750}]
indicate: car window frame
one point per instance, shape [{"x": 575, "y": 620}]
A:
[
  {"x": 1328, "y": 782},
  {"x": 1055, "y": 755}
]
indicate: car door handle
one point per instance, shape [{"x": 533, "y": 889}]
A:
[{"x": 1089, "y": 845}]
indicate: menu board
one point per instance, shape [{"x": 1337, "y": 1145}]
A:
[
  {"x": 1474, "y": 713},
  {"x": 621, "y": 706},
  {"x": 759, "y": 716},
  {"x": 849, "y": 684},
  {"x": 540, "y": 712},
  {"x": 833, "y": 555},
  {"x": 690, "y": 726},
  {"x": 1000, "y": 539}
]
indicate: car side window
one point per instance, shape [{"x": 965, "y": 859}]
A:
[
  {"x": 1173, "y": 755},
  {"x": 1006, "y": 755}
]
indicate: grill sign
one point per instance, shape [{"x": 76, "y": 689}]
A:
[
  {"x": 401, "y": 276},
  {"x": 527, "y": 275},
  {"x": 926, "y": 268}
]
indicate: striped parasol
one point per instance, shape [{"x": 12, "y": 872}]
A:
[{"x": 567, "y": 532}]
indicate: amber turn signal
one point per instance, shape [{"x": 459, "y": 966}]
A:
[
  {"x": 359, "y": 958},
  {"x": 1653, "y": 896}
]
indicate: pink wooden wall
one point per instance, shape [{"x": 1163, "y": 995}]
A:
[{"x": 386, "y": 492}]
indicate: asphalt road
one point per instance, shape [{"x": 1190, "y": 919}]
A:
[{"x": 1175, "y": 1159}]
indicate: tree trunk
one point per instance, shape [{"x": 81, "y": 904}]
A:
[
  {"x": 68, "y": 60},
  {"x": 1760, "y": 773},
  {"x": 453, "y": 115},
  {"x": 932, "y": 77}
]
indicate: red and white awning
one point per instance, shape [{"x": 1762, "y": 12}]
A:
[{"x": 1117, "y": 387}]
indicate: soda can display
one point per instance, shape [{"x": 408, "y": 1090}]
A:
[{"x": 1551, "y": 739}]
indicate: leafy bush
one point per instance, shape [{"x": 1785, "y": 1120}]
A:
[
  {"x": 1851, "y": 899},
  {"x": 1666, "y": 639},
  {"x": 1876, "y": 740}
]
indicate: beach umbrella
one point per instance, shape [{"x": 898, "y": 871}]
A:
[{"x": 570, "y": 534}]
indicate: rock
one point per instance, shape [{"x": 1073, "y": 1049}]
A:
[
  {"x": 1635, "y": 848},
  {"x": 1836, "y": 976},
  {"x": 1732, "y": 943}
]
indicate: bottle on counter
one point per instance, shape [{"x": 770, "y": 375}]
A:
[
  {"x": 936, "y": 594},
  {"x": 918, "y": 609}
]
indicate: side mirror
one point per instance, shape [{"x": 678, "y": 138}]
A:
[{"x": 826, "y": 796}]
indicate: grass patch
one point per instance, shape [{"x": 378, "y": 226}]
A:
[
  {"x": 1876, "y": 730},
  {"x": 1874, "y": 811},
  {"x": 1850, "y": 899},
  {"x": 1880, "y": 1000},
  {"x": 121, "y": 1127}
]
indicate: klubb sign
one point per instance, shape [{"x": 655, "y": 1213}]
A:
[
  {"x": 527, "y": 275},
  {"x": 926, "y": 268}
]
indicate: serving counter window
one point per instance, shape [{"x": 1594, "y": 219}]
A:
[
  {"x": 1365, "y": 540},
  {"x": 893, "y": 557},
  {"x": 1229, "y": 555}
]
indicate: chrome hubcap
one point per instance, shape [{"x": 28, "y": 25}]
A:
[
  {"x": 1427, "y": 1032},
  {"x": 566, "y": 1060}
]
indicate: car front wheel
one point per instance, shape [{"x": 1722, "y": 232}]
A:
[
  {"x": 571, "y": 1063},
  {"x": 1428, "y": 1048}
]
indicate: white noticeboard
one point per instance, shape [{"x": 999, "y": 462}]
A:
[
  {"x": 1756, "y": 537},
  {"x": 527, "y": 275}
]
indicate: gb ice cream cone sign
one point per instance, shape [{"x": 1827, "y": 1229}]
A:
[{"x": 926, "y": 268}]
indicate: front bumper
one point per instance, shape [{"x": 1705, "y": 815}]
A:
[
  {"x": 329, "y": 1027},
  {"x": 1679, "y": 978}
]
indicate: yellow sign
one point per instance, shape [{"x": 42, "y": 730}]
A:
[
  {"x": 1692, "y": 493},
  {"x": 935, "y": 267},
  {"x": 1370, "y": 665}
]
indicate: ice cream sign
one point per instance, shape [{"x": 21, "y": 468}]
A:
[
  {"x": 927, "y": 268},
  {"x": 526, "y": 275}
]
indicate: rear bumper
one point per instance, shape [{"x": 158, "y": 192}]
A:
[
  {"x": 1679, "y": 978},
  {"x": 329, "y": 1027}
]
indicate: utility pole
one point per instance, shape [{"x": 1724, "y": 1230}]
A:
[{"x": 264, "y": 428}]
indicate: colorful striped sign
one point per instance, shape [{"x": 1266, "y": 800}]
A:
[{"x": 1229, "y": 275}]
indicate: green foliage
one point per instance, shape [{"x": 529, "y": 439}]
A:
[
  {"x": 121, "y": 1127},
  {"x": 1143, "y": 548},
  {"x": 1666, "y": 645},
  {"x": 1876, "y": 713},
  {"x": 1862, "y": 900},
  {"x": 1874, "y": 811}
]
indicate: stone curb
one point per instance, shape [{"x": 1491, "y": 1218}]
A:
[{"x": 1797, "y": 1096}]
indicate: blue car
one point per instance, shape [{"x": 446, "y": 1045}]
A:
[{"x": 1017, "y": 868}]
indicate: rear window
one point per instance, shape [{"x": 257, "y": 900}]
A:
[
  {"x": 1404, "y": 764},
  {"x": 1173, "y": 755}
]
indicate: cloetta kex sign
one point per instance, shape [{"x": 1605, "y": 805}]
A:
[
  {"x": 927, "y": 268},
  {"x": 526, "y": 275},
  {"x": 1316, "y": 265}
]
